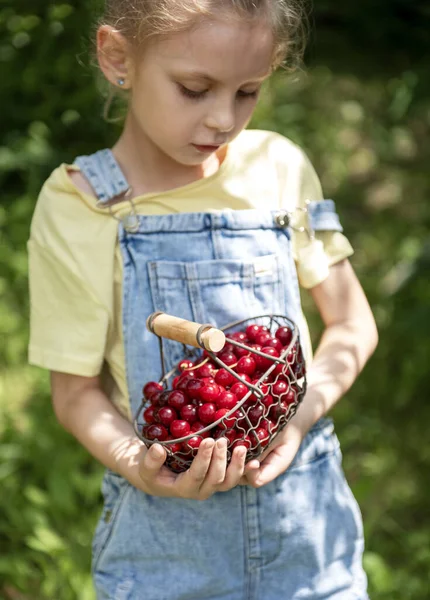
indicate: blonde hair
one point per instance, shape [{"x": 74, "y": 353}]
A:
[
  {"x": 140, "y": 21},
  {"x": 143, "y": 21}
]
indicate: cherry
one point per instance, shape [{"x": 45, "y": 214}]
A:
[
  {"x": 230, "y": 434},
  {"x": 176, "y": 381},
  {"x": 238, "y": 336},
  {"x": 246, "y": 365},
  {"x": 193, "y": 443},
  {"x": 157, "y": 432},
  {"x": 183, "y": 382},
  {"x": 207, "y": 412},
  {"x": 193, "y": 388},
  {"x": 166, "y": 415},
  {"x": 242, "y": 441},
  {"x": 262, "y": 338},
  {"x": 180, "y": 428},
  {"x": 189, "y": 413},
  {"x": 239, "y": 390},
  {"x": 284, "y": 335},
  {"x": 150, "y": 388},
  {"x": 262, "y": 435},
  {"x": 184, "y": 364},
  {"x": 175, "y": 447},
  {"x": 226, "y": 400},
  {"x": 224, "y": 378},
  {"x": 206, "y": 370},
  {"x": 210, "y": 392},
  {"x": 264, "y": 363},
  {"x": 148, "y": 415},
  {"x": 197, "y": 426},
  {"x": 273, "y": 342},
  {"x": 228, "y": 422},
  {"x": 177, "y": 399},
  {"x": 255, "y": 413},
  {"x": 228, "y": 358},
  {"x": 280, "y": 387}
]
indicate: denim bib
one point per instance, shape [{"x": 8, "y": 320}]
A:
[{"x": 301, "y": 535}]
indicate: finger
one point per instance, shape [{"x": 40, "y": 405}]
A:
[
  {"x": 252, "y": 465},
  {"x": 196, "y": 474},
  {"x": 152, "y": 462},
  {"x": 235, "y": 470},
  {"x": 217, "y": 469}
]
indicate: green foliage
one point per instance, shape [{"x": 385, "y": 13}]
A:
[{"x": 362, "y": 112}]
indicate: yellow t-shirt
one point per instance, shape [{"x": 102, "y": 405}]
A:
[{"x": 75, "y": 263}]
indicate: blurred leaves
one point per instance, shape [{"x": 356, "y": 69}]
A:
[{"x": 362, "y": 113}]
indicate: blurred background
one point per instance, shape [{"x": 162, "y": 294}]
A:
[{"x": 361, "y": 110}]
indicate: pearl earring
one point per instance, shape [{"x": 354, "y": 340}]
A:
[{"x": 120, "y": 81}]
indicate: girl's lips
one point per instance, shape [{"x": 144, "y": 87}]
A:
[{"x": 206, "y": 149}]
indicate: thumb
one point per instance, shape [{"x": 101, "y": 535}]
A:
[{"x": 153, "y": 460}]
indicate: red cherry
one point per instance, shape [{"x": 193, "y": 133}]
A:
[
  {"x": 246, "y": 365},
  {"x": 157, "y": 432},
  {"x": 268, "y": 401},
  {"x": 210, "y": 392},
  {"x": 262, "y": 435},
  {"x": 279, "y": 410},
  {"x": 177, "y": 399},
  {"x": 239, "y": 336},
  {"x": 228, "y": 358},
  {"x": 242, "y": 441},
  {"x": 226, "y": 400},
  {"x": 150, "y": 388},
  {"x": 193, "y": 388},
  {"x": 239, "y": 352},
  {"x": 207, "y": 412},
  {"x": 289, "y": 397},
  {"x": 230, "y": 434},
  {"x": 175, "y": 381},
  {"x": 160, "y": 398},
  {"x": 166, "y": 415},
  {"x": 183, "y": 382},
  {"x": 224, "y": 378},
  {"x": 184, "y": 364},
  {"x": 197, "y": 427},
  {"x": 279, "y": 388},
  {"x": 264, "y": 363},
  {"x": 262, "y": 338},
  {"x": 180, "y": 428},
  {"x": 228, "y": 422},
  {"x": 255, "y": 413},
  {"x": 252, "y": 331},
  {"x": 239, "y": 390},
  {"x": 273, "y": 342},
  {"x": 193, "y": 443},
  {"x": 284, "y": 335},
  {"x": 175, "y": 447},
  {"x": 148, "y": 415},
  {"x": 206, "y": 370},
  {"x": 189, "y": 413},
  {"x": 244, "y": 377}
]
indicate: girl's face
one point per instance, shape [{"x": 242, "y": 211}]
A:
[{"x": 199, "y": 88}]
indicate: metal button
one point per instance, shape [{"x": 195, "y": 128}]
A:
[
  {"x": 282, "y": 219},
  {"x": 131, "y": 223}
]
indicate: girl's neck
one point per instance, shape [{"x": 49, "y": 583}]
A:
[{"x": 149, "y": 170}]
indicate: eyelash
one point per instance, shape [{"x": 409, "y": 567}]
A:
[{"x": 199, "y": 95}]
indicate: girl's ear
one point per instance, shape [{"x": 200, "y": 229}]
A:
[{"x": 114, "y": 56}]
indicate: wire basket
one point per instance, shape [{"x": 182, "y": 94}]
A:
[{"x": 228, "y": 385}]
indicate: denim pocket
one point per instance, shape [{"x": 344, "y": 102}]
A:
[
  {"x": 114, "y": 488},
  {"x": 215, "y": 291}
]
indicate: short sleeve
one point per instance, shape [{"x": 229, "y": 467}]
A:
[
  {"x": 68, "y": 326},
  {"x": 327, "y": 244}
]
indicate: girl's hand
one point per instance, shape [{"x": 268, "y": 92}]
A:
[
  {"x": 276, "y": 459},
  {"x": 207, "y": 475}
]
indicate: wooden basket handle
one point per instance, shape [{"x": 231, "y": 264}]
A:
[{"x": 186, "y": 332}]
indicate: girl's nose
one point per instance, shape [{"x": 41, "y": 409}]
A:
[{"x": 222, "y": 117}]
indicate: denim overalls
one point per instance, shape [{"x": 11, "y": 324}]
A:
[{"x": 300, "y": 536}]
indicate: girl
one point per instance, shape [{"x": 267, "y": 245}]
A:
[{"x": 190, "y": 214}]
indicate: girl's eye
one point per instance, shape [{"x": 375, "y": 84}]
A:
[
  {"x": 243, "y": 94},
  {"x": 191, "y": 93}
]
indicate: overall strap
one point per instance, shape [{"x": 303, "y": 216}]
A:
[
  {"x": 104, "y": 174},
  {"x": 323, "y": 216}
]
